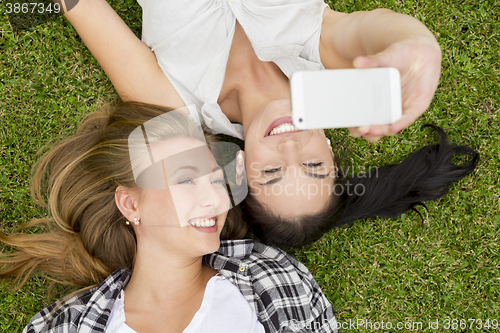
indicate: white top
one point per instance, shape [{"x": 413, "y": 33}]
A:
[
  {"x": 192, "y": 39},
  {"x": 223, "y": 309}
]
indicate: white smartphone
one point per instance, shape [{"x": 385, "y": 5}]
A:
[{"x": 338, "y": 98}]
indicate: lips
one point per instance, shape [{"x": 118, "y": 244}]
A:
[
  {"x": 277, "y": 123},
  {"x": 206, "y": 224}
]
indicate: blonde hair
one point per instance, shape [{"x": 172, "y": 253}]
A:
[{"x": 85, "y": 238}]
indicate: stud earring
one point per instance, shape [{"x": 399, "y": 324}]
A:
[
  {"x": 329, "y": 142},
  {"x": 136, "y": 221}
]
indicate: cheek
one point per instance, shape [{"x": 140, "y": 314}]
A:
[
  {"x": 221, "y": 221},
  {"x": 182, "y": 201},
  {"x": 225, "y": 202},
  {"x": 258, "y": 154},
  {"x": 253, "y": 186},
  {"x": 255, "y": 150},
  {"x": 253, "y": 165},
  {"x": 158, "y": 209}
]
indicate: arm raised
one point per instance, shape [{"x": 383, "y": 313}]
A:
[
  {"x": 382, "y": 38},
  {"x": 128, "y": 62}
]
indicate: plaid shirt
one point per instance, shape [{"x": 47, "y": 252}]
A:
[{"x": 280, "y": 289}]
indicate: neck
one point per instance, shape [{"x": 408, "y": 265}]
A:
[
  {"x": 249, "y": 83},
  {"x": 159, "y": 280},
  {"x": 257, "y": 93}
]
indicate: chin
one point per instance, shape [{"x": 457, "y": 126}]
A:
[{"x": 209, "y": 246}]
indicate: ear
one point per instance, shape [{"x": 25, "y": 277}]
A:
[
  {"x": 127, "y": 200},
  {"x": 333, "y": 158},
  {"x": 240, "y": 167}
]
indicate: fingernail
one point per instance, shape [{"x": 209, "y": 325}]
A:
[{"x": 364, "y": 130}]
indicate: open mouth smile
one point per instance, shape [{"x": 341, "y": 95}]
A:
[{"x": 281, "y": 126}]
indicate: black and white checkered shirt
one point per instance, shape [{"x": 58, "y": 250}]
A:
[{"x": 280, "y": 289}]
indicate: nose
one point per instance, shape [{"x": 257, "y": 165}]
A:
[
  {"x": 290, "y": 145},
  {"x": 210, "y": 195}
]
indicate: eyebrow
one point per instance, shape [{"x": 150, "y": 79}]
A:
[
  {"x": 195, "y": 169},
  {"x": 312, "y": 175},
  {"x": 189, "y": 167}
]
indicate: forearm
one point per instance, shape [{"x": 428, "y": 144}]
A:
[
  {"x": 346, "y": 36},
  {"x": 128, "y": 62},
  {"x": 102, "y": 31}
]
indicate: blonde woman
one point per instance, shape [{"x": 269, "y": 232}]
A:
[{"x": 141, "y": 244}]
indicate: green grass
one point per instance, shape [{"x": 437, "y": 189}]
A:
[{"x": 379, "y": 269}]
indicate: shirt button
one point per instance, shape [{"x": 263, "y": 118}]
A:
[{"x": 241, "y": 268}]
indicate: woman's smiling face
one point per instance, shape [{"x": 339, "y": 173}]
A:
[
  {"x": 192, "y": 206},
  {"x": 290, "y": 171}
]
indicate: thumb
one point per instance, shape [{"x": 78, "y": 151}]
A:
[{"x": 366, "y": 61}]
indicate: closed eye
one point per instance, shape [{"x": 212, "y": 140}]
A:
[
  {"x": 218, "y": 181},
  {"x": 312, "y": 165},
  {"x": 315, "y": 175},
  {"x": 272, "y": 181},
  {"x": 271, "y": 171}
]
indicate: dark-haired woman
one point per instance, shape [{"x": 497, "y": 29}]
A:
[
  {"x": 232, "y": 60},
  {"x": 386, "y": 191},
  {"x": 137, "y": 207}
]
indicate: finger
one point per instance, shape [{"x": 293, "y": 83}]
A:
[
  {"x": 359, "y": 131},
  {"x": 371, "y": 138},
  {"x": 402, "y": 123},
  {"x": 354, "y": 131},
  {"x": 365, "y": 62},
  {"x": 409, "y": 116},
  {"x": 364, "y": 130},
  {"x": 380, "y": 130}
]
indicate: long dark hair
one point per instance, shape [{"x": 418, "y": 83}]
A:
[{"x": 424, "y": 175}]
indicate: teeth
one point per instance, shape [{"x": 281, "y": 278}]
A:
[
  {"x": 283, "y": 128},
  {"x": 204, "y": 223}
]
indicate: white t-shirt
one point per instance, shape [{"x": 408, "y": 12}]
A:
[
  {"x": 223, "y": 309},
  {"x": 192, "y": 39}
]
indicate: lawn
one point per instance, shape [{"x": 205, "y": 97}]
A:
[{"x": 446, "y": 272}]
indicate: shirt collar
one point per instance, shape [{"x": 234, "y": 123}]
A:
[
  {"x": 236, "y": 249},
  {"x": 101, "y": 301}
]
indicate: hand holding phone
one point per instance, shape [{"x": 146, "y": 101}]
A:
[
  {"x": 418, "y": 60},
  {"x": 345, "y": 97}
]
